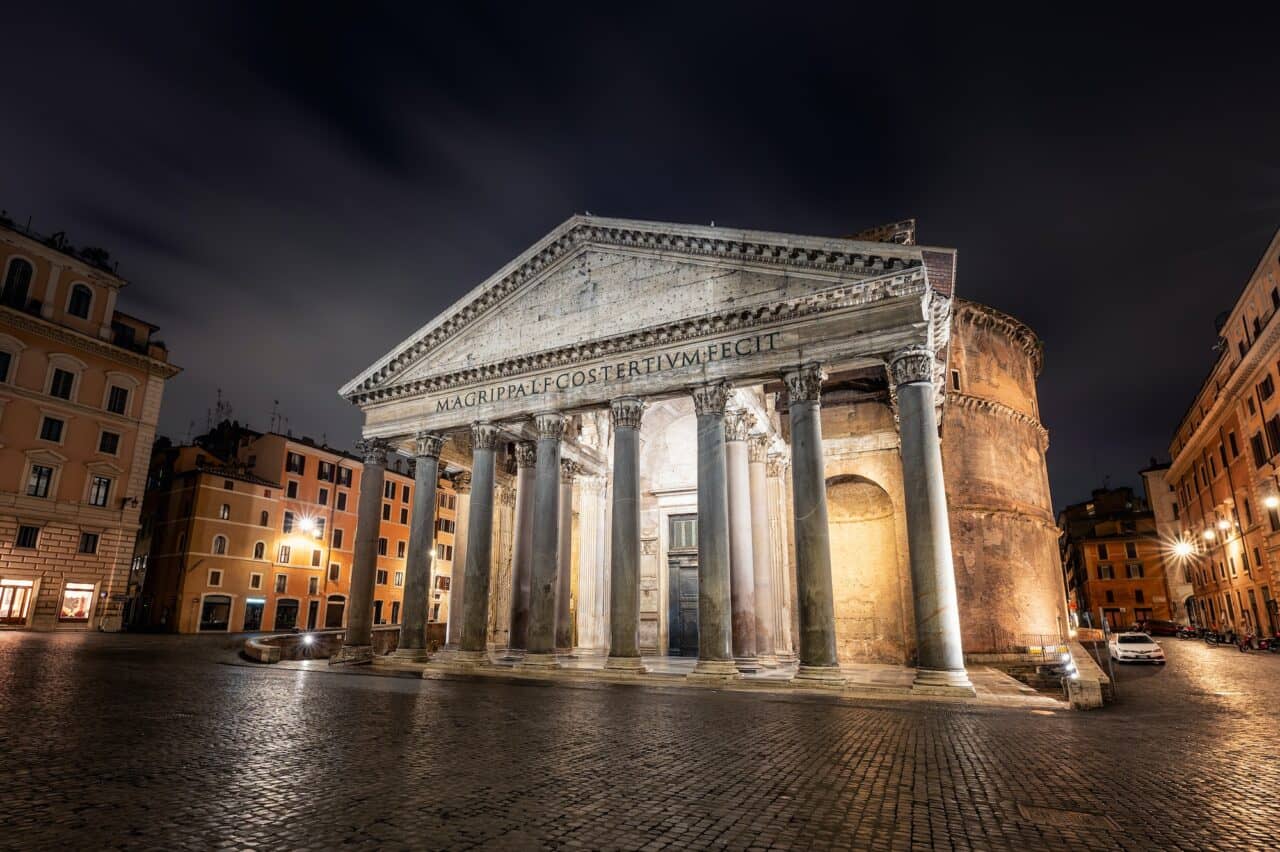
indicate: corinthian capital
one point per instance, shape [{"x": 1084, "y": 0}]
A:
[
  {"x": 737, "y": 424},
  {"x": 568, "y": 470},
  {"x": 462, "y": 482},
  {"x": 711, "y": 397},
  {"x": 484, "y": 436},
  {"x": 805, "y": 384},
  {"x": 549, "y": 425},
  {"x": 911, "y": 365},
  {"x": 373, "y": 450},
  {"x": 757, "y": 448},
  {"x": 777, "y": 465},
  {"x": 625, "y": 412},
  {"x": 427, "y": 444},
  {"x": 526, "y": 454}
]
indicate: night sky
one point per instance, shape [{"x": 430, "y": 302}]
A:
[{"x": 292, "y": 191}]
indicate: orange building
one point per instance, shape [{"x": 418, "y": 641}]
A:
[
  {"x": 1226, "y": 464},
  {"x": 249, "y": 531},
  {"x": 80, "y": 391},
  {"x": 1114, "y": 560}
]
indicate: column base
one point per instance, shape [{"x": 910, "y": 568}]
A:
[
  {"x": 714, "y": 671},
  {"x": 457, "y": 657},
  {"x": 630, "y": 665},
  {"x": 827, "y": 677},
  {"x": 539, "y": 662},
  {"x": 352, "y": 655},
  {"x": 768, "y": 661},
  {"x": 942, "y": 682},
  {"x": 512, "y": 655},
  {"x": 565, "y": 654},
  {"x": 747, "y": 665},
  {"x": 785, "y": 657},
  {"x": 411, "y": 655}
]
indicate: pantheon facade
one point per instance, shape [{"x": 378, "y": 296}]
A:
[{"x": 759, "y": 450}]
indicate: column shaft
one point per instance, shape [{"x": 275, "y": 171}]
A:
[
  {"x": 933, "y": 582},
  {"x": 813, "y": 537},
  {"x": 458, "y": 572},
  {"x": 357, "y": 644},
  {"x": 590, "y": 563},
  {"x": 522, "y": 546},
  {"x": 475, "y": 602},
  {"x": 715, "y": 611},
  {"x": 546, "y": 542},
  {"x": 421, "y": 556},
  {"x": 741, "y": 557},
  {"x": 564, "y": 562},
  {"x": 761, "y": 550},
  {"x": 624, "y": 544}
]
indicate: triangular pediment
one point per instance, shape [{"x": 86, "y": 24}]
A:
[{"x": 594, "y": 279}]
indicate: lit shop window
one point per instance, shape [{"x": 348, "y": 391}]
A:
[
  {"x": 15, "y": 601},
  {"x": 77, "y": 600}
]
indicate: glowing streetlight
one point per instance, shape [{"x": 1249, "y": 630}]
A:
[
  {"x": 1183, "y": 549},
  {"x": 1208, "y": 534},
  {"x": 1224, "y": 524},
  {"x": 306, "y": 525},
  {"x": 1271, "y": 501}
]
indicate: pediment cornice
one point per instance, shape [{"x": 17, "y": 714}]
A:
[{"x": 743, "y": 249}]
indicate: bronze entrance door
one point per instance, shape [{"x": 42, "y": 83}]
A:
[{"x": 682, "y": 585}]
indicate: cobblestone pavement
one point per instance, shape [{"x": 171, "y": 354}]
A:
[{"x": 149, "y": 742}]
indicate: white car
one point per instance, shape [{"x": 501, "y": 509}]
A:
[{"x": 1135, "y": 648}]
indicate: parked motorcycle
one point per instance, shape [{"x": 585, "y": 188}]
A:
[
  {"x": 1244, "y": 642},
  {"x": 1185, "y": 632},
  {"x": 1212, "y": 638}
]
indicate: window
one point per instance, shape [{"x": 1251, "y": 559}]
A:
[
  {"x": 282, "y": 583},
  {"x": 1235, "y": 447},
  {"x": 335, "y": 571},
  {"x": 28, "y": 537},
  {"x": 315, "y": 558},
  {"x": 337, "y": 539},
  {"x": 287, "y": 527},
  {"x": 15, "y": 601},
  {"x": 381, "y": 577},
  {"x": 382, "y": 547},
  {"x": 1131, "y": 549},
  {"x": 386, "y": 511},
  {"x": 400, "y": 550},
  {"x": 1213, "y": 468},
  {"x": 109, "y": 443},
  {"x": 291, "y": 490},
  {"x": 1133, "y": 570},
  {"x": 1248, "y": 513},
  {"x": 228, "y": 485},
  {"x": 442, "y": 583},
  {"x": 6, "y": 360},
  {"x": 389, "y": 490},
  {"x": 255, "y": 580},
  {"x": 224, "y": 511},
  {"x": 117, "y": 400},
  {"x": 323, "y": 498},
  {"x": 319, "y": 527},
  {"x": 1273, "y": 434},
  {"x": 324, "y": 471},
  {"x": 342, "y": 501},
  {"x": 81, "y": 299},
  {"x": 683, "y": 532},
  {"x": 404, "y": 516},
  {"x": 313, "y": 585},
  {"x": 444, "y": 552},
  {"x": 1102, "y": 551},
  {"x": 77, "y": 600},
  {"x": 955, "y": 380},
  {"x": 88, "y": 542},
  {"x": 286, "y": 615},
  {"x": 1259, "y": 449},
  {"x": 395, "y": 612},
  {"x": 215, "y": 578},
  {"x": 447, "y": 501},
  {"x": 1266, "y": 388},
  {"x": 264, "y": 519},
  {"x": 219, "y": 545},
  {"x": 344, "y": 477},
  {"x": 295, "y": 463},
  {"x": 259, "y": 549},
  {"x": 445, "y": 525},
  {"x": 1138, "y": 596},
  {"x": 399, "y": 578},
  {"x": 17, "y": 279},
  {"x": 1111, "y": 596},
  {"x": 39, "y": 481},
  {"x": 51, "y": 429},
  {"x": 1252, "y": 408},
  {"x": 404, "y": 494},
  {"x": 1106, "y": 572},
  {"x": 99, "y": 490},
  {"x": 62, "y": 383},
  {"x": 285, "y": 553}
]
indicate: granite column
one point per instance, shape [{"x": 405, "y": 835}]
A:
[
  {"x": 422, "y": 518},
  {"x": 715, "y": 610},
  {"x": 737, "y": 427},
  {"x": 546, "y": 543},
  {"x": 357, "y": 642},
  {"x": 761, "y": 549},
  {"x": 475, "y": 602},
  {"x": 624, "y": 545}
]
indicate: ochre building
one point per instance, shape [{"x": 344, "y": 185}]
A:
[
  {"x": 80, "y": 390},
  {"x": 248, "y": 531},
  {"x": 1224, "y": 464},
  {"x": 752, "y": 449}
]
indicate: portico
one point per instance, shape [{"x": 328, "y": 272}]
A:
[{"x": 653, "y": 394}]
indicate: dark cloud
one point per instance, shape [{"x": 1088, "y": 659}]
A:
[{"x": 293, "y": 188}]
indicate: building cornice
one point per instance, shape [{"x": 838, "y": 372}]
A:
[
  {"x": 743, "y": 248},
  {"x": 990, "y": 406},
  {"x": 983, "y": 316},
  {"x": 75, "y": 339},
  {"x": 908, "y": 283}
]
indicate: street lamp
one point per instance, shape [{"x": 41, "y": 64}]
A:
[
  {"x": 1183, "y": 549},
  {"x": 1208, "y": 535}
]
